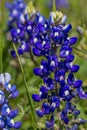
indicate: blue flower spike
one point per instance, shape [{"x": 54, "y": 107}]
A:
[{"x": 7, "y": 115}]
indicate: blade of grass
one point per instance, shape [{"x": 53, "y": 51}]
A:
[
  {"x": 83, "y": 115},
  {"x": 1, "y": 34},
  {"x": 27, "y": 90}
]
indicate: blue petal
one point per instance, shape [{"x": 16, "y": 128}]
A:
[
  {"x": 75, "y": 68},
  {"x": 77, "y": 83},
  {"x": 13, "y": 88},
  {"x": 17, "y": 125},
  {"x": 83, "y": 95},
  {"x": 13, "y": 53},
  {"x": 49, "y": 124},
  {"x": 75, "y": 127},
  {"x": 82, "y": 121},
  {"x": 70, "y": 58},
  {"x": 14, "y": 94},
  {"x": 13, "y": 113},
  {"x": 14, "y": 33},
  {"x": 76, "y": 113},
  {"x": 37, "y": 71},
  {"x": 36, "y": 97},
  {"x": 40, "y": 113},
  {"x": 67, "y": 28},
  {"x": 73, "y": 40},
  {"x": 36, "y": 52},
  {"x": 70, "y": 79},
  {"x": 20, "y": 51}
]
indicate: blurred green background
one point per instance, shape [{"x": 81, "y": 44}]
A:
[{"x": 77, "y": 16}]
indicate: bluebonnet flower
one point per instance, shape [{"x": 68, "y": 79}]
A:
[
  {"x": 48, "y": 38},
  {"x": 7, "y": 92},
  {"x": 58, "y": 3},
  {"x": 57, "y": 72},
  {"x": 61, "y": 4},
  {"x": 17, "y": 12}
]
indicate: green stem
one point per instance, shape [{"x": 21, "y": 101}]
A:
[
  {"x": 1, "y": 34},
  {"x": 84, "y": 116},
  {"x": 27, "y": 90},
  {"x": 32, "y": 57}
]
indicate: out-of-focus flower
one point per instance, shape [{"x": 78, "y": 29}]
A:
[
  {"x": 7, "y": 115},
  {"x": 17, "y": 12},
  {"x": 61, "y": 4}
]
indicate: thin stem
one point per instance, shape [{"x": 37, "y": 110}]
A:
[
  {"x": 1, "y": 65},
  {"x": 84, "y": 116},
  {"x": 78, "y": 53},
  {"x": 79, "y": 50},
  {"x": 27, "y": 89},
  {"x": 32, "y": 57},
  {"x": 35, "y": 2},
  {"x": 1, "y": 35}
]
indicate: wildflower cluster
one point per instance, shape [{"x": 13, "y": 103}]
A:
[
  {"x": 7, "y": 92},
  {"x": 57, "y": 71},
  {"x": 17, "y": 12},
  {"x": 49, "y": 38}
]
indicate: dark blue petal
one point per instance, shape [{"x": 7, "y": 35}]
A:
[
  {"x": 40, "y": 113},
  {"x": 64, "y": 116},
  {"x": 13, "y": 113},
  {"x": 73, "y": 40},
  {"x": 43, "y": 89},
  {"x": 36, "y": 52},
  {"x": 36, "y": 97},
  {"x": 77, "y": 83},
  {"x": 50, "y": 123},
  {"x": 41, "y": 27},
  {"x": 14, "y": 33},
  {"x": 75, "y": 68},
  {"x": 52, "y": 109},
  {"x": 70, "y": 58},
  {"x": 76, "y": 113},
  {"x": 65, "y": 51},
  {"x": 83, "y": 95},
  {"x": 67, "y": 28},
  {"x": 39, "y": 45},
  {"x": 70, "y": 79},
  {"x": 37, "y": 71},
  {"x": 20, "y": 51},
  {"x": 14, "y": 94},
  {"x": 13, "y": 53},
  {"x": 17, "y": 125}
]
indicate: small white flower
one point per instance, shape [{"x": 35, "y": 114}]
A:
[
  {"x": 41, "y": 66},
  {"x": 29, "y": 27},
  {"x": 18, "y": 31},
  {"x": 15, "y": 12},
  {"x": 56, "y": 34},
  {"x": 53, "y": 63},
  {"x": 66, "y": 92},
  {"x": 35, "y": 40},
  {"x": 8, "y": 110}
]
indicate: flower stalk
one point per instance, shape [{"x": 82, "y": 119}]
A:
[{"x": 27, "y": 90}]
